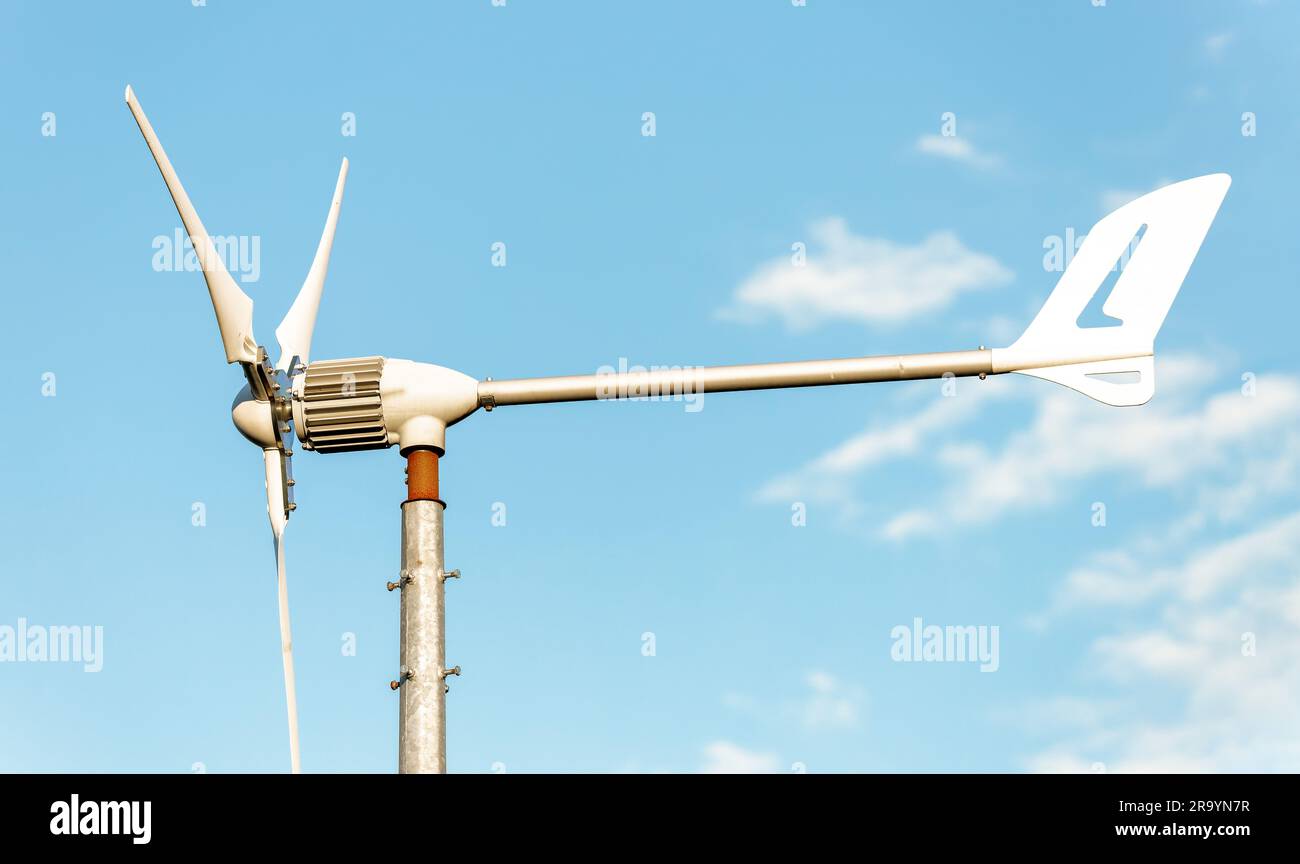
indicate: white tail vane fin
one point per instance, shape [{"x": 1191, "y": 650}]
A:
[
  {"x": 275, "y": 509},
  {"x": 1173, "y": 222},
  {"x": 234, "y": 308},
  {"x": 294, "y": 332}
]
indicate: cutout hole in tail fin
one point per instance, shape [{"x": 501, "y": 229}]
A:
[
  {"x": 1117, "y": 377},
  {"x": 1093, "y": 315}
]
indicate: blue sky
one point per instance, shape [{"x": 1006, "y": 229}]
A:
[{"x": 1164, "y": 639}]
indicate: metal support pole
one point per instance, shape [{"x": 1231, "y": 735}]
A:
[{"x": 422, "y": 725}]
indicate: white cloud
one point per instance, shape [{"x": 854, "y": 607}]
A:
[
  {"x": 1222, "y": 441},
  {"x": 1166, "y": 684},
  {"x": 737, "y": 701},
  {"x": 1119, "y": 578},
  {"x": 1216, "y": 46},
  {"x": 1234, "y": 709},
  {"x": 866, "y": 279},
  {"x": 904, "y": 525},
  {"x": 831, "y": 705},
  {"x": 829, "y": 479},
  {"x": 1072, "y": 438},
  {"x": 1113, "y": 199},
  {"x": 1059, "y": 763},
  {"x": 956, "y": 148},
  {"x": 1067, "y": 712},
  {"x": 724, "y": 757},
  {"x": 1002, "y": 329},
  {"x": 1111, "y": 578},
  {"x": 1237, "y": 560}
]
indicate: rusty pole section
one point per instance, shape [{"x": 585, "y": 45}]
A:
[
  {"x": 422, "y": 723},
  {"x": 422, "y": 475}
]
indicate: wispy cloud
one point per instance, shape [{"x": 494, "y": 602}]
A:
[
  {"x": 1121, "y": 578},
  {"x": 957, "y": 149},
  {"x": 872, "y": 280},
  {"x": 1219, "y": 637},
  {"x": 1237, "y": 449},
  {"x": 1216, "y": 45},
  {"x": 828, "y": 703},
  {"x": 833, "y": 478},
  {"x": 724, "y": 757},
  {"x": 831, "y": 704},
  {"x": 1071, "y": 438},
  {"x": 1113, "y": 199}
]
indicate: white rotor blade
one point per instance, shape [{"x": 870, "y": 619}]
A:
[
  {"x": 275, "y": 509},
  {"x": 234, "y": 308},
  {"x": 294, "y": 332}
]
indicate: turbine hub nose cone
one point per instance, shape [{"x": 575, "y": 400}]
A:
[{"x": 255, "y": 420}]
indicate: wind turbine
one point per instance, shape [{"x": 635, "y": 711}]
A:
[
  {"x": 261, "y": 410},
  {"x": 367, "y": 403}
]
